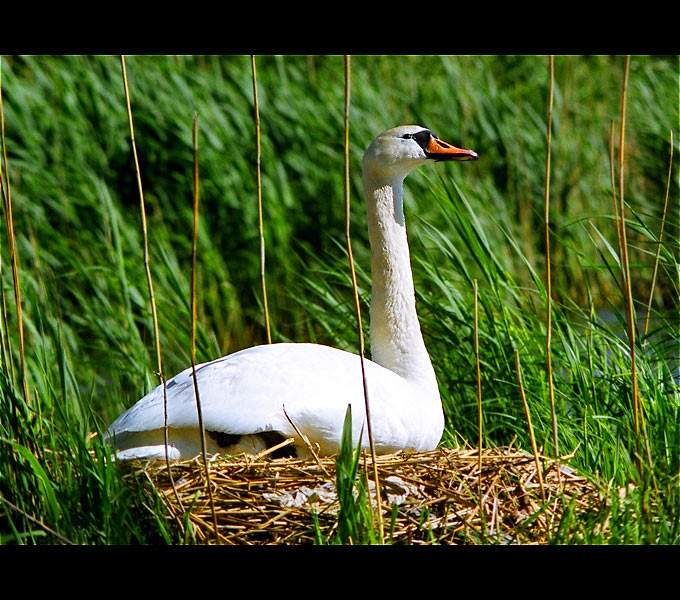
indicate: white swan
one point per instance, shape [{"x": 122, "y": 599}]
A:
[{"x": 244, "y": 395}]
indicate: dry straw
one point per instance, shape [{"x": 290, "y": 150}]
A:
[{"x": 429, "y": 497}]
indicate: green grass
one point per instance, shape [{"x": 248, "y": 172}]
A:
[{"x": 89, "y": 335}]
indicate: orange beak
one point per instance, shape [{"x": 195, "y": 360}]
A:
[{"x": 441, "y": 150}]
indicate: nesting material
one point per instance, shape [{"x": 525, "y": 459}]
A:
[{"x": 427, "y": 497}]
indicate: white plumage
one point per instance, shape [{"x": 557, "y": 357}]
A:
[{"x": 244, "y": 395}]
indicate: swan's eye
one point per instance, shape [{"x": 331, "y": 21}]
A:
[{"x": 407, "y": 136}]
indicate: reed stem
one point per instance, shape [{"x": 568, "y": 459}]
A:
[
  {"x": 658, "y": 245},
  {"x": 615, "y": 201},
  {"x": 637, "y": 412},
  {"x": 534, "y": 447},
  {"x": 259, "y": 201},
  {"x": 357, "y": 305},
  {"x": 479, "y": 386},
  {"x": 149, "y": 280},
  {"x": 14, "y": 257},
  {"x": 194, "y": 252},
  {"x": 548, "y": 277}
]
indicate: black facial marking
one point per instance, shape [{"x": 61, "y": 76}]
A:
[{"x": 423, "y": 138}]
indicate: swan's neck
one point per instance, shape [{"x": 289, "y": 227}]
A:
[{"x": 396, "y": 340}]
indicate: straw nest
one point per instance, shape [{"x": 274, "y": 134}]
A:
[{"x": 427, "y": 497}]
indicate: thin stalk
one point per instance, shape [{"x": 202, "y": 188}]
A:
[
  {"x": 534, "y": 447},
  {"x": 7, "y": 362},
  {"x": 357, "y": 305},
  {"x": 658, "y": 246},
  {"x": 5, "y": 345},
  {"x": 259, "y": 201},
  {"x": 613, "y": 185},
  {"x": 194, "y": 246},
  {"x": 637, "y": 413},
  {"x": 149, "y": 280},
  {"x": 9, "y": 222},
  {"x": 548, "y": 281},
  {"x": 479, "y": 387},
  {"x": 305, "y": 439},
  {"x": 37, "y": 522},
  {"x": 480, "y": 419}
]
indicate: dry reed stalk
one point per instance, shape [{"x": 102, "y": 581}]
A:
[
  {"x": 6, "y": 192},
  {"x": 194, "y": 252},
  {"x": 304, "y": 438},
  {"x": 616, "y": 204},
  {"x": 658, "y": 245},
  {"x": 147, "y": 266},
  {"x": 637, "y": 409},
  {"x": 7, "y": 362},
  {"x": 272, "y": 449},
  {"x": 355, "y": 288},
  {"x": 57, "y": 536},
  {"x": 259, "y": 201},
  {"x": 548, "y": 278},
  {"x": 534, "y": 447},
  {"x": 479, "y": 383}
]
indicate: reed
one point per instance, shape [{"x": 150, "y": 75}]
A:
[
  {"x": 260, "y": 220},
  {"x": 532, "y": 437},
  {"x": 548, "y": 276},
  {"x": 478, "y": 375},
  {"x": 194, "y": 253},
  {"x": 6, "y": 191},
  {"x": 147, "y": 264},
  {"x": 658, "y": 245},
  {"x": 624, "y": 256},
  {"x": 355, "y": 289}
]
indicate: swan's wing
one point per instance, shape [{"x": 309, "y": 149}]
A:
[
  {"x": 246, "y": 392},
  {"x": 233, "y": 392}
]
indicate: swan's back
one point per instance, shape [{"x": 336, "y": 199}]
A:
[{"x": 246, "y": 393}]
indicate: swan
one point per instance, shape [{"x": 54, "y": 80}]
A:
[{"x": 257, "y": 397}]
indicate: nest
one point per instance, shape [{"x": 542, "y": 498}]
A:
[{"x": 436, "y": 497}]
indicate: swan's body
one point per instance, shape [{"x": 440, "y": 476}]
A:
[{"x": 251, "y": 397}]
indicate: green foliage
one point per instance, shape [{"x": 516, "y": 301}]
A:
[
  {"x": 89, "y": 337},
  {"x": 355, "y": 524}
]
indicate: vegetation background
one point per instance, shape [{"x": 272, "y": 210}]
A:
[{"x": 89, "y": 350}]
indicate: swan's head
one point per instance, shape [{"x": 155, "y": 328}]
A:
[{"x": 396, "y": 152}]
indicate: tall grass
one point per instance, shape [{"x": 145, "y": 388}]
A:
[{"x": 89, "y": 342}]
